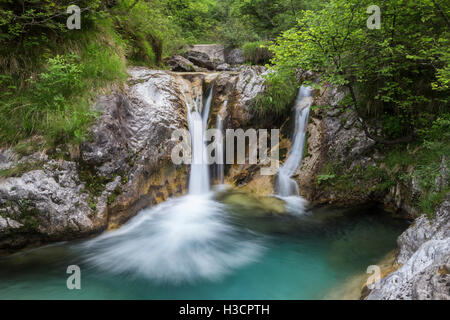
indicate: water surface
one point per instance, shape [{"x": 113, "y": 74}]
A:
[{"x": 195, "y": 247}]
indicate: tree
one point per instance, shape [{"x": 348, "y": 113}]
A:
[{"x": 389, "y": 70}]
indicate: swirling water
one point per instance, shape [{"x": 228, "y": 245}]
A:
[{"x": 197, "y": 247}]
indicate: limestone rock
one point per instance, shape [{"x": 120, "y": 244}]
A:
[
  {"x": 215, "y": 52},
  {"x": 425, "y": 255},
  {"x": 50, "y": 202},
  {"x": 224, "y": 67},
  {"x": 181, "y": 64},
  {"x": 424, "y": 276},
  {"x": 235, "y": 56},
  {"x": 125, "y": 162},
  {"x": 200, "y": 59},
  {"x": 8, "y": 158},
  {"x": 423, "y": 230}
]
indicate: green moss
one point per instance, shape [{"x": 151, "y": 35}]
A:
[
  {"x": 422, "y": 161},
  {"x": 113, "y": 196},
  {"x": 94, "y": 185}
]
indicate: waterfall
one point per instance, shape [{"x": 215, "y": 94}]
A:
[
  {"x": 183, "y": 239},
  {"x": 219, "y": 172},
  {"x": 199, "y": 177},
  {"x": 206, "y": 108},
  {"x": 285, "y": 185}
]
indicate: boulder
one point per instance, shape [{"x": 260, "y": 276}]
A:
[
  {"x": 224, "y": 67},
  {"x": 235, "y": 56},
  {"x": 425, "y": 276},
  {"x": 423, "y": 230},
  {"x": 425, "y": 258},
  {"x": 180, "y": 64},
  {"x": 50, "y": 203},
  {"x": 200, "y": 59},
  {"x": 215, "y": 52}
]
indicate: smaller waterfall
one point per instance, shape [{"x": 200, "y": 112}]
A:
[
  {"x": 206, "y": 108},
  {"x": 199, "y": 177},
  {"x": 219, "y": 172},
  {"x": 286, "y": 185}
]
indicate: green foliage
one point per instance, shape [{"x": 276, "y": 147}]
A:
[
  {"x": 391, "y": 69},
  {"x": 360, "y": 180},
  {"x": 149, "y": 30},
  {"x": 431, "y": 200},
  {"x": 325, "y": 177},
  {"x": 31, "y": 21},
  {"x": 425, "y": 162},
  {"x": 60, "y": 80},
  {"x": 271, "y": 17},
  {"x": 233, "y": 32},
  {"x": 392, "y": 126},
  {"x": 256, "y": 52},
  {"x": 280, "y": 93},
  {"x": 55, "y": 103},
  {"x": 439, "y": 129}
]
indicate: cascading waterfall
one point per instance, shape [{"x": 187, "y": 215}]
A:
[
  {"x": 183, "y": 239},
  {"x": 285, "y": 185},
  {"x": 199, "y": 177}
]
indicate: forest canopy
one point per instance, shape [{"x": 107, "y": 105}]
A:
[{"x": 398, "y": 73}]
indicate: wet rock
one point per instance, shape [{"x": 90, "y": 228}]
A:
[
  {"x": 234, "y": 93},
  {"x": 334, "y": 136},
  {"x": 251, "y": 205},
  {"x": 133, "y": 138},
  {"x": 424, "y": 276},
  {"x": 249, "y": 85}
]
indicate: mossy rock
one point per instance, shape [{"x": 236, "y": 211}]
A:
[{"x": 250, "y": 205}]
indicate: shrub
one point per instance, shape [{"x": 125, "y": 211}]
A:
[
  {"x": 279, "y": 95},
  {"x": 234, "y": 33},
  {"x": 257, "y": 52},
  {"x": 325, "y": 177},
  {"x": 60, "y": 80}
]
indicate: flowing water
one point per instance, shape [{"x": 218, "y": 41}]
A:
[
  {"x": 199, "y": 177},
  {"x": 202, "y": 247},
  {"x": 285, "y": 185},
  {"x": 196, "y": 247}
]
